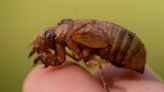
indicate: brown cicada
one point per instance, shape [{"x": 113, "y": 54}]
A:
[{"x": 87, "y": 38}]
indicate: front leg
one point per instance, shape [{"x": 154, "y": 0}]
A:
[
  {"x": 47, "y": 59},
  {"x": 60, "y": 52}
]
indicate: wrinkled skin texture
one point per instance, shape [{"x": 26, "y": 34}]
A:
[{"x": 87, "y": 38}]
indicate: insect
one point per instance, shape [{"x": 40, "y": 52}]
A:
[{"x": 87, "y": 38}]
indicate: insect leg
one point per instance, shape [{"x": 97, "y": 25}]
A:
[
  {"x": 72, "y": 56},
  {"x": 48, "y": 59},
  {"x": 94, "y": 62},
  {"x": 60, "y": 52},
  {"x": 105, "y": 85},
  {"x": 31, "y": 52},
  {"x": 89, "y": 58},
  {"x": 36, "y": 60},
  {"x": 76, "y": 51}
]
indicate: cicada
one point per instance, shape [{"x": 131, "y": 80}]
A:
[{"x": 87, "y": 38}]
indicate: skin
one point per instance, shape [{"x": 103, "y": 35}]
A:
[{"x": 70, "y": 77}]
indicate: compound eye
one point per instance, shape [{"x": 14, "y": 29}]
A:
[{"x": 48, "y": 35}]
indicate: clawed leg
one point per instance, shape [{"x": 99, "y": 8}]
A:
[
  {"x": 47, "y": 59},
  {"x": 36, "y": 60},
  {"x": 31, "y": 52}
]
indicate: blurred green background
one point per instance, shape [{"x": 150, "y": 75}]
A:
[{"x": 21, "y": 20}]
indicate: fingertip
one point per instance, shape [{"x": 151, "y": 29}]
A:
[{"x": 68, "y": 77}]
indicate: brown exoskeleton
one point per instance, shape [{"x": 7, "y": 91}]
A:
[{"x": 87, "y": 38}]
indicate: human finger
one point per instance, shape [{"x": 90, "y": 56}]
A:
[
  {"x": 123, "y": 80},
  {"x": 68, "y": 77}
]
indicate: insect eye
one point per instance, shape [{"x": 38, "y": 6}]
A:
[{"x": 48, "y": 35}]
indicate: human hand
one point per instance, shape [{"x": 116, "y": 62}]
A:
[{"x": 70, "y": 77}]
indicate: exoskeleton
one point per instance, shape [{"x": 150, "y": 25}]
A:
[{"x": 87, "y": 38}]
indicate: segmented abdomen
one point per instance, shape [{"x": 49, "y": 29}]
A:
[{"x": 127, "y": 50}]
